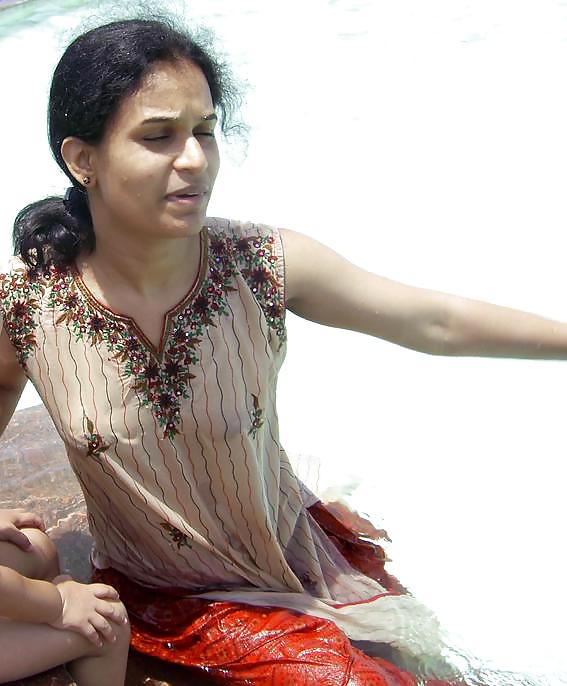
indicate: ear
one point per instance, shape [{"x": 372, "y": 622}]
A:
[{"x": 79, "y": 158}]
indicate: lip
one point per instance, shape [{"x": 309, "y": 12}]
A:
[
  {"x": 187, "y": 192},
  {"x": 193, "y": 199}
]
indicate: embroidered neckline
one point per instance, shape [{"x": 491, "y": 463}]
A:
[
  {"x": 162, "y": 382},
  {"x": 161, "y": 378},
  {"x": 107, "y": 312}
]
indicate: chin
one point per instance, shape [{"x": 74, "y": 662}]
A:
[
  {"x": 185, "y": 225},
  {"x": 188, "y": 228}
]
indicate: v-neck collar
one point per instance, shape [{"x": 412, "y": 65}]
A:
[{"x": 168, "y": 317}]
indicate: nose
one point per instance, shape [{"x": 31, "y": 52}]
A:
[{"x": 192, "y": 157}]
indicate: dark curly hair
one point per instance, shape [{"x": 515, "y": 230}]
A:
[{"x": 96, "y": 73}]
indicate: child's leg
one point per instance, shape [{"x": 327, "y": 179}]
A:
[
  {"x": 38, "y": 562},
  {"x": 29, "y": 649}
]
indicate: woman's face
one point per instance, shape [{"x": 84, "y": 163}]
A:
[{"x": 156, "y": 165}]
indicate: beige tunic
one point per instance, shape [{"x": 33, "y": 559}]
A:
[{"x": 177, "y": 449}]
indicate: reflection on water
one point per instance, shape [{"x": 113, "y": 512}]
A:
[
  {"x": 28, "y": 13},
  {"x": 424, "y": 141}
]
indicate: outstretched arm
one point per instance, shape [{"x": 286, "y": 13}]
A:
[{"x": 324, "y": 287}]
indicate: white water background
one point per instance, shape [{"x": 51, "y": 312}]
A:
[{"x": 425, "y": 141}]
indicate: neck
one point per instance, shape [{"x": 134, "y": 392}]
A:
[{"x": 145, "y": 267}]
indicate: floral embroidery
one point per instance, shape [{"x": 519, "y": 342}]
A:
[
  {"x": 96, "y": 445},
  {"x": 161, "y": 378},
  {"x": 258, "y": 263},
  {"x": 20, "y": 297},
  {"x": 257, "y": 418},
  {"x": 176, "y": 536}
]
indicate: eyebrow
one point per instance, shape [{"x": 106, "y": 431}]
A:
[{"x": 174, "y": 117}]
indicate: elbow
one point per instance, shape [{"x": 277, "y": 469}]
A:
[
  {"x": 438, "y": 341},
  {"x": 441, "y": 330}
]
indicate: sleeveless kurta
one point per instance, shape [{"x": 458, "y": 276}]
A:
[{"x": 177, "y": 449}]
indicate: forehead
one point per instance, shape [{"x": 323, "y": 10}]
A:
[{"x": 179, "y": 87}]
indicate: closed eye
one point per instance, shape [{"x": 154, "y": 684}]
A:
[{"x": 156, "y": 138}]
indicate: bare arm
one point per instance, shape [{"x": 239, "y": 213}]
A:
[
  {"x": 12, "y": 381},
  {"x": 28, "y": 600},
  {"x": 324, "y": 287},
  {"x": 87, "y": 609}
]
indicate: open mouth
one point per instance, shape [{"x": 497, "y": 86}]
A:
[{"x": 186, "y": 197}]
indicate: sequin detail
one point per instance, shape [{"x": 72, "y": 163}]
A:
[{"x": 257, "y": 261}]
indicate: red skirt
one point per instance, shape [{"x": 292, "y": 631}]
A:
[{"x": 239, "y": 644}]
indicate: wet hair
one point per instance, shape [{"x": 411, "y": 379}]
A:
[{"x": 97, "y": 72}]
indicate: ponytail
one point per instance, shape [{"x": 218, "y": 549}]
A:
[{"x": 52, "y": 232}]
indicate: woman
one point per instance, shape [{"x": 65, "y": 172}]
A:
[{"x": 154, "y": 335}]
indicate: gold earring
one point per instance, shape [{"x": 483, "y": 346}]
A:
[{"x": 86, "y": 180}]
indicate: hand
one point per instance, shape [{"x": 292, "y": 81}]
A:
[
  {"x": 11, "y": 521},
  {"x": 89, "y": 609}
]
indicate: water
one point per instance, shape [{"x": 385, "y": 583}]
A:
[{"x": 426, "y": 142}]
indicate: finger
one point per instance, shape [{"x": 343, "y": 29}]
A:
[
  {"x": 31, "y": 520},
  {"x": 102, "y": 626},
  {"x": 90, "y": 633},
  {"x": 17, "y": 537},
  {"x": 116, "y": 612},
  {"x": 104, "y": 591}
]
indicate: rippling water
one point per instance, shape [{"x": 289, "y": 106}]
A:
[{"x": 425, "y": 141}]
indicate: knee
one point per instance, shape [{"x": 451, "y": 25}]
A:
[
  {"x": 39, "y": 561},
  {"x": 123, "y": 633},
  {"x": 121, "y": 642},
  {"x": 44, "y": 560}
]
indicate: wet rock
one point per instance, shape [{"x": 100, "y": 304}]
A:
[{"x": 55, "y": 677}]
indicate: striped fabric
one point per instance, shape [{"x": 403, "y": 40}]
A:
[{"x": 177, "y": 448}]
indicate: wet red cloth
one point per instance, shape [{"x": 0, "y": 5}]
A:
[{"x": 239, "y": 644}]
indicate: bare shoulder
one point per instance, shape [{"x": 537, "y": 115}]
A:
[
  {"x": 296, "y": 243},
  {"x": 309, "y": 265}
]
